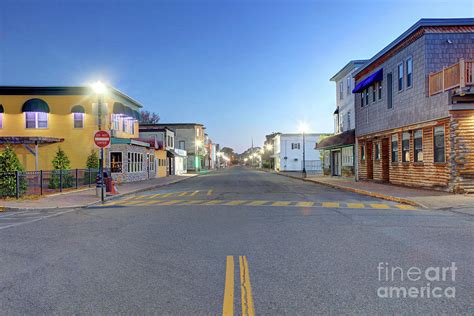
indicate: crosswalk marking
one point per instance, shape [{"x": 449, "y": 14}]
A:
[
  {"x": 406, "y": 207},
  {"x": 355, "y": 205},
  {"x": 305, "y": 204},
  {"x": 171, "y": 202},
  {"x": 281, "y": 203},
  {"x": 237, "y": 202},
  {"x": 151, "y": 202},
  {"x": 256, "y": 203},
  {"x": 379, "y": 206},
  {"x": 213, "y": 202},
  {"x": 145, "y": 200},
  {"x": 190, "y": 202},
  {"x": 330, "y": 204}
]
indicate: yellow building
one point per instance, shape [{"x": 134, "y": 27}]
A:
[{"x": 36, "y": 120}]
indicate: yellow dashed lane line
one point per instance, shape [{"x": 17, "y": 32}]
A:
[
  {"x": 305, "y": 204},
  {"x": 379, "y": 206},
  {"x": 355, "y": 205},
  {"x": 257, "y": 203},
  {"x": 330, "y": 204},
  {"x": 281, "y": 203},
  {"x": 237, "y": 202}
]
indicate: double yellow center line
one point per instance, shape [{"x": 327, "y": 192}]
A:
[{"x": 245, "y": 288}]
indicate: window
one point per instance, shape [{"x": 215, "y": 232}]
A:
[
  {"x": 418, "y": 145},
  {"x": 132, "y": 127},
  {"x": 348, "y": 85},
  {"x": 295, "y": 145},
  {"x": 1, "y": 120},
  {"x": 439, "y": 144},
  {"x": 362, "y": 152},
  {"x": 395, "y": 148},
  {"x": 367, "y": 96},
  {"x": 182, "y": 145},
  {"x": 197, "y": 132},
  {"x": 406, "y": 147},
  {"x": 400, "y": 77},
  {"x": 341, "y": 90},
  {"x": 389, "y": 91},
  {"x": 409, "y": 72},
  {"x": 380, "y": 90},
  {"x": 362, "y": 99},
  {"x": 115, "y": 122},
  {"x": 78, "y": 120},
  {"x": 377, "y": 151},
  {"x": 124, "y": 124},
  {"x": 374, "y": 92},
  {"x": 349, "y": 120},
  {"x": 36, "y": 120},
  {"x": 116, "y": 162}
]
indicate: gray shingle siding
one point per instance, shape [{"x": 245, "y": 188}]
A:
[{"x": 412, "y": 105}]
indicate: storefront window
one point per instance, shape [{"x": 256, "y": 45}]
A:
[
  {"x": 377, "y": 151},
  {"x": 418, "y": 140},
  {"x": 439, "y": 144},
  {"x": 1, "y": 120},
  {"x": 406, "y": 147},
  {"x": 395, "y": 148},
  {"x": 116, "y": 162}
]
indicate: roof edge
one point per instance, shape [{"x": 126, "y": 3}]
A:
[
  {"x": 420, "y": 23},
  {"x": 347, "y": 68}
]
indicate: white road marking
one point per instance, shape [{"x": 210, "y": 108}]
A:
[{"x": 38, "y": 219}]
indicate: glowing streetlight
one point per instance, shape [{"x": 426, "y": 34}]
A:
[{"x": 99, "y": 87}]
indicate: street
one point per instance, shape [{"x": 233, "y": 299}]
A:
[{"x": 233, "y": 240}]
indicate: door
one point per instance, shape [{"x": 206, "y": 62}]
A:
[{"x": 369, "y": 160}]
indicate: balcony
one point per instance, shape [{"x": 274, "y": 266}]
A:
[{"x": 458, "y": 75}]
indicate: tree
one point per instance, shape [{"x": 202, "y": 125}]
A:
[
  {"x": 9, "y": 164},
  {"x": 61, "y": 166},
  {"x": 92, "y": 162},
  {"x": 149, "y": 117}
]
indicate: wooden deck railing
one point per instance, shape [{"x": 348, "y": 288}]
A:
[{"x": 458, "y": 75}]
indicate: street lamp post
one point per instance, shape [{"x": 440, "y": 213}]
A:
[
  {"x": 304, "y": 160},
  {"x": 99, "y": 89},
  {"x": 303, "y": 129}
]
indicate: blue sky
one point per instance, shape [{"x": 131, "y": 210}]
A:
[{"x": 242, "y": 68}]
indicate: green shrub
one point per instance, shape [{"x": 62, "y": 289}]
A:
[
  {"x": 9, "y": 164},
  {"x": 62, "y": 164}
]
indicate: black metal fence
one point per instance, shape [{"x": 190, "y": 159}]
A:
[{"x": 43, "y": 182}]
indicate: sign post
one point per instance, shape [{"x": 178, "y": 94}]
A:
[{"x": 101, "y": 140}]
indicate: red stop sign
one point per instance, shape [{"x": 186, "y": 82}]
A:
[{"x": 102, "y": 139}]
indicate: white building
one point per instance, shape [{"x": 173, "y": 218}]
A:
[{"x": 288, "y": 152}]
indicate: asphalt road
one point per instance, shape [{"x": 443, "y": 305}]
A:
[{"x": 236, "y": 240}]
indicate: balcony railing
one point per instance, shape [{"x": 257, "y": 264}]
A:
[{"x": 457, "y": 75}]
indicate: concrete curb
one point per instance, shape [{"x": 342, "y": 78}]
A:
[
  {"x": 359, "y": 191},
  {"x": 9, "y": 208}
]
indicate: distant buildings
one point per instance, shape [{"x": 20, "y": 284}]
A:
[{"x": 287, "y": 152}]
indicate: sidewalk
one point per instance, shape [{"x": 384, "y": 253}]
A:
[
  {"x": 430, "y": 199},
  {"x": 86, "y": 197}
]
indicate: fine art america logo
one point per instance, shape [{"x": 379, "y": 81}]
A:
[{"x": 416, "y": 282}]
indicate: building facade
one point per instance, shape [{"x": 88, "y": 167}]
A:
[
  {"x": 338, "y": 150},
  {"x": 413, "y": 110},
  {"x": 288, "y": 152},
  {"x": 188, "y": 137},
  {"x": 36, "y": 120}
]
